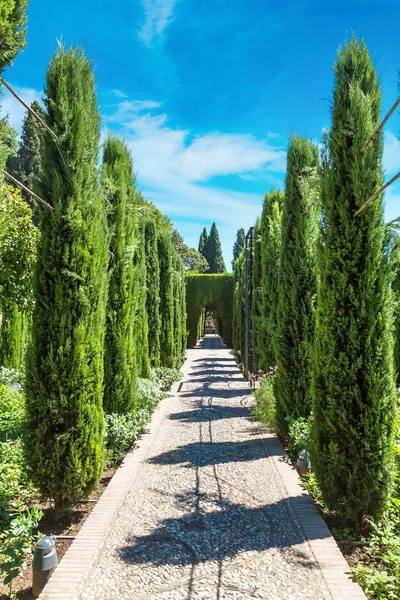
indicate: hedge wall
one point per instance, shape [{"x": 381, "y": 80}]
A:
[{"x": 214, "y": 292}]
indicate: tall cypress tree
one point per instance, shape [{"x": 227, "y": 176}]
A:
[
  {"x": 119, "y": 366},
  {"x": 153, "y": 291},
  {"x": 238, "y": 246},
  {"x": 214, "y": 252},
  {"x": 296, "y": 288},
  {"x": 140, "y": 326},
  {"x": 257, "y": 333},
  {"x": 395, "y": 265},
  {"x": 65, "y": 367},
  {"x": 270, "y": 252},
  {"x": 165, "y": 248},
  {"x": 203, "y": 242},
  {"x": 353, "y": 391},
  {"x": 31, "y": 147}
]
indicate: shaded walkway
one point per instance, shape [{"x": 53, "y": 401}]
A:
[{"x": 208, "y": 515}]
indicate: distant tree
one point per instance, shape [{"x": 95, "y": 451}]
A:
[
  {"x": 31, "y": 146},
  {"x": 203, "y": 242},
  {"x": 238, "y": 245},
  {"x": 270, "y": 252},
  {"x": 64, "y": 382},
  {"x": 12, "y": 30},
  {"x": 153, "y": 291},
  {"x": 214, "y": 252},
  {"x": 353, "y": 380},
  {"x": 192, "y": 259},
  {"x": 297, "y": 287},
  {"x": 119, "y": 366}
]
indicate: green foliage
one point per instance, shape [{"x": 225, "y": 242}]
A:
[
  {"x": 395, "y": 266},
  {"x": 166, "y": 300},
  {"x": 203, "y": 243},
  {"x": 120, "y": 433},
  {"x": 18, "y": 248},
  {"x": 270, "y": 233},
  {"x": 238, "y": 324},
  {"x": 257, "y": 330},
  {"x": 265, "y": 410},
  {"x": 165, "y": 378},
  {"x": 353, "y": 381},
  {"x": 299, "y": 435},
  {"x": 193, "y": 260},
  {"x": 380, "y": 575},
  {"x": 238, "y": 246},
  {"x": 213, "y": 252},
  {"x": 153, "y": 292},
  {"x": 12, "y": 30},
  {"x": 64, "y": 380},
  {"x": 296, "y": 288},
  {"x": 211, "y": 292},
  {"x": 9, "y": 376},
  {"x": 17, "y": 541},
  {"x": 12, "y": 414},
  {"x": 140, "y": 325},
  {"x": 119, "y": 353}
]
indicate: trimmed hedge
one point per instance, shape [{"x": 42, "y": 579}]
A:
[{"x": 214, "y": 292}]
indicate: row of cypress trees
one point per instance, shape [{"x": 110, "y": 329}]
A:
[
  {"x": 109, "y": 292},
  {"x": 326, "y": 301}
]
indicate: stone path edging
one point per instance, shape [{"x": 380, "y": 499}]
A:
[
  {"x": 333, "y": 565},
  {"x": 70, "y": 575}
]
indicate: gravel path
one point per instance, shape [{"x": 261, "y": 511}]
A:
[{"x": 208, "y": 516}]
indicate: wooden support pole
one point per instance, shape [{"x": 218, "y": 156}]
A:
[
  {"x": 309, "y": 245},
  {"x": 382, "y": 189},
  {"x": 27, "y": 190},
  {"x": 310, "y": 206},
  {"x": 373, "y": 136},
  {"x": 14, "y": 93}
]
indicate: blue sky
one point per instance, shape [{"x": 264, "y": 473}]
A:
[{"x": 206, "y": 92}]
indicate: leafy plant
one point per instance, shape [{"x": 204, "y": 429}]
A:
[
  {"x": 265, "y": 410},
  {"x": 299, "y": 436},
  {"x": 9, "y": 376},
  {"x": 120, "y": 433},
  {"x": 165, "y": 377},
  {"x": 17, "y": 541}
]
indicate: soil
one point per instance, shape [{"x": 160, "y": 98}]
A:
[{"x": 69, "y": 525}]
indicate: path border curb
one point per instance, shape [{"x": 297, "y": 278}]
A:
[
  {"x": 67, "y": 581},
  {"x": 333, "y": 565}
]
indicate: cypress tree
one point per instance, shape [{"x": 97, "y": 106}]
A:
[
  {"x": 395, "y": 264},
  {"x": 257, "y": 334},
  {"x": 119, "y": 365},
  {"x": 238, "y": 325},
  {"x": 65, "y": 364},
  {"x": 140, "y": 326},
  {"x": 167, "y": 352},
  {"x": 296, "y": 288},
  {"x": 153, "y": 292},
  {"x": 238, "y": 246},
  {"x": 31, "y": 149},
  {"x": 214, "y": 252},
  {"x": 203, "y": 242},
  {"x": 270, "y": 252},
  {"x": 353, "y": 390}
]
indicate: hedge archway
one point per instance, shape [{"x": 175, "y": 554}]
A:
[{"x": 212, "y": 292}]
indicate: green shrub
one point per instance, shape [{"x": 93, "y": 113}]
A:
[
  {"x": 204, "y": 291},
  {"x": 165, "y": 378},
  {"x": 9, "y": 376},
  {"x": 299, "y": 436},
  {"x": 12, "y": 413},
  {"x": 265, "y": 410}
]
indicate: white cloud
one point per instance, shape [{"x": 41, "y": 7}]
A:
[
  {"x": 158, "y": 15},
  {"x": 119, "y": 94},
  {"x": 174, "y": 169},
  {"x": 391, "y": 154},
  {"x": 13, "y": 108}
]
